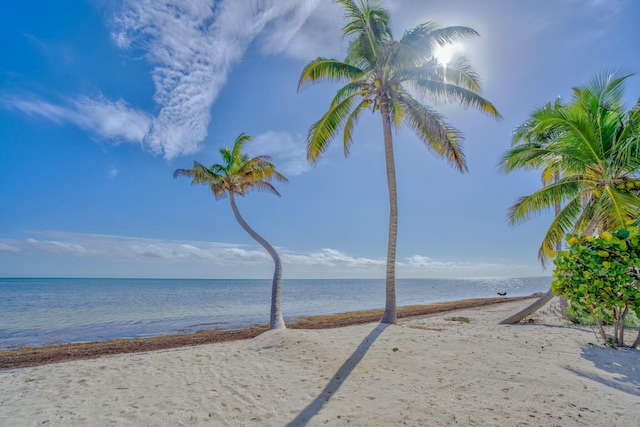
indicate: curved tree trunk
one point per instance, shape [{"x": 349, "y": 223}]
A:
[
  {"x": 537, "y": 305},
  {"x": 276, "y": 321},
  {"x": 389, "y": 315}
]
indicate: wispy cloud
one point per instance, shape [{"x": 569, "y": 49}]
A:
[
  {"x": 320, "y": 35},
  {"x": 192, "y": 47},
  {"x": 425, "y": 261},
  {"x": 330, "y": 258},
  {"x": 288, "y": 151},
  {"x": 328, "y": 261},
  {"x": 134, "y": 248},
  {"x": 113, "y": 120}
]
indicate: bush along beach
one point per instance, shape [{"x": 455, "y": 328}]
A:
[{"x": 599, "y": 275}]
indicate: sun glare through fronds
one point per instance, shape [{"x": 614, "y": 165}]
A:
[{"x": 444, "y": 54}]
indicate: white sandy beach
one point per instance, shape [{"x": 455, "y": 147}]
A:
[{"x": 443, "y": 373}]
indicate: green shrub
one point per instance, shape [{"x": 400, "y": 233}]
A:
[
  {"x": 599, "y": 275},
  {"x": 579, "y": 317}
]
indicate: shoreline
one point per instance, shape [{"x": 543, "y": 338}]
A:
[{"x": 36, "y": 356}]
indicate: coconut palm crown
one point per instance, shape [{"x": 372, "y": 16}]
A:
[
  {"x": 592, "y": 145},
  {"x": 392, "y": 76},
  {"x": 236, "y": 177}
]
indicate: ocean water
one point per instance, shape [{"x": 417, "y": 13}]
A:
[{"x": 37, "y": 312}]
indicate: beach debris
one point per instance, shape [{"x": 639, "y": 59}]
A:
[
  {"x": 395, "y": 349},
  {"x": 458, "y": 319}
]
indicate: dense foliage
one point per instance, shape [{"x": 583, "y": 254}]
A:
[
  {"x": 588, "y": 151},
  {"x": 600, "y": 276}
]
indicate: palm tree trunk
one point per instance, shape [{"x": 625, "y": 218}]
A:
[
  {"x": 276, "y": 320},
  {"x": 389, "y": 315},
  {"x": 537, "y": 305}
]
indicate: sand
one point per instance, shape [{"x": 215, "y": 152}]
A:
[{"x": 426, "y": 371}]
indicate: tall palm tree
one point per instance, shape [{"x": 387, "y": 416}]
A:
[
  {"x": 390, "y": 76},
  {"x": 238, "y": 175},
  {"x": 592, "y": 146}
]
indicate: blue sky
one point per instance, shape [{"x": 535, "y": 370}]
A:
[{"x": 100, "y": 101}]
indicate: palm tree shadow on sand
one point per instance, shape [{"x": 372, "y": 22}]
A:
[{"x": 338, "y": 379}]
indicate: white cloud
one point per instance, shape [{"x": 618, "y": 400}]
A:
[
  {"x": 287, "y": 151},
  {"x": 244, "y": 260},
  {"x": 192, "y": 46},
  {"x": 315, "y": 29},
  {"x": 134, "y": 248},
  {"x": 330, "y": 258},
  {"x": 425, "y": 261},
  {"x": 36, "y": 107},
  {"x": 110, "y": 119},
  {"x": 58, "y": 247}
]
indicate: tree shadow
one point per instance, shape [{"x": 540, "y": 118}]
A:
[
  {"x": 621, "y": 363},
  {"x": 551, "y": 326},
  {"x": 338, "y": 379}
]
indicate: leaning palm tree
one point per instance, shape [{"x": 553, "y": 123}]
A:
[
  {"x": 391, "y": 76},
  {"x": 238, "y": 175},
  {"x": 526, "y": 144},
  {"x": 592, "y": 145}
]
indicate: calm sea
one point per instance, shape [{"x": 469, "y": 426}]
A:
[{"x": 52, "y": 311}]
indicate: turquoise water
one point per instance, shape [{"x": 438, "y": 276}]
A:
[{"x": 53, "y": 311}]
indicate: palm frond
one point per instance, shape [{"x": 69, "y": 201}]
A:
[
  {"x": 368, "y": 22},
  {"x": 440, "y": 91},
  {"x": 358, "y": 88},
  {"x": 436, "y": 134},
  {"x": 329, "y": 70},
  {"x": 578, "y": 132},
  {"x": 261, "y": 186},
  {"x": 324, "y": 130},
  {"x": 606, "y": 88},
  {"x": 526, "y": 207},
  {"x": 559, "y": 227},
  {"x": 424, "y": 38},
  {"x": 620, "y": 207},
  {"x": 531, "y": 156},
  {"x": 238, "y": 145},
  {"x": 239, "y": 173},
  {"x": 351, "y": 122},
  {"x": 459, "y": 73}
]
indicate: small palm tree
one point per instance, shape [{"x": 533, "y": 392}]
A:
[
  {"x": 383, "y": 74},
  {"x": 238, "y": 175},
  {"x": 592, "y": 148}
]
